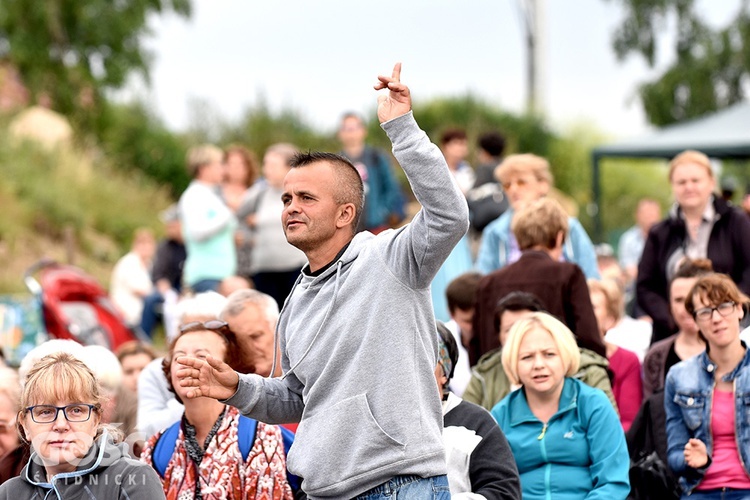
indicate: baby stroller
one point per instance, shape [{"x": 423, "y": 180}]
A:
[{"x": 75, "y": 306}]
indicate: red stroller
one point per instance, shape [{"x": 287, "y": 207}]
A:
[{"x": 75, "y": 306}]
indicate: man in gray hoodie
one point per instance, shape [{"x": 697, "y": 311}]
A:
[{"x": 357, "y": 333}]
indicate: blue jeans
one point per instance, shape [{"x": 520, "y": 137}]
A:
[
  {"x": 410, "y": 488},
  {"x": 719, "y": 494}
]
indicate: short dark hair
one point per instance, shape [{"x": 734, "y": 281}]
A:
[
  {"x": 516, "y": 301},
  {"x": 349, "y": 187},
  {"x": 452, "y": 134},
  {"x": 692, "y": 268},
  {"x": 493, "y": 143},
  {"x": 461, "y": 292},
  {"x": 447, "y": 338}
]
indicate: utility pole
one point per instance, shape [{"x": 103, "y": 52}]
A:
[{"x": 533, "y": 20}]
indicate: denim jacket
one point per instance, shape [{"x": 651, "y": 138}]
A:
[{"x": 688, "y": 396}]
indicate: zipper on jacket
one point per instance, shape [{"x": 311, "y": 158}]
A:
[{"x": 544, "y": 430}]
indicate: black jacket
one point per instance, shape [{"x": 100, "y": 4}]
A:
[{"x": 728, "y": 250}]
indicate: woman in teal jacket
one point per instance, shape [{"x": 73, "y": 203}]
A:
[{"x": 565, "y": 436}]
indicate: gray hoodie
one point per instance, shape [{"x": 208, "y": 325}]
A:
[
  {"x": 359, "y": 347},
  {"x": 106, "y": 472}
]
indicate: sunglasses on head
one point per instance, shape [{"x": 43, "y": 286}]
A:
[{"x": 213, "y": 325}]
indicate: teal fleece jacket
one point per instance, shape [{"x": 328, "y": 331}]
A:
[
  {"x": 358, "y": 344},
  {"x": 579, "y": 454}
]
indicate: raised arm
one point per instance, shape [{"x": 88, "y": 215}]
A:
[{"x": 420, "y": 248}]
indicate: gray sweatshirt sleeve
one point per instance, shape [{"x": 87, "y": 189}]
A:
[
  {"x": 418, "y": 251},
  {"x": 270, "y": 400}
]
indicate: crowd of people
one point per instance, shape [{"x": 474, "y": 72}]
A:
[{"x": 324, "y": 342}]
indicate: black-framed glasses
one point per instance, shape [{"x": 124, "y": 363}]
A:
[
  {"x": 706, "y": 313},
  {"x": 214, "y": 325},
  {"x": 45, "y": 414}
]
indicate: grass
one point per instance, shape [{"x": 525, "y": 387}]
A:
[{"x": 68, "y": 204}]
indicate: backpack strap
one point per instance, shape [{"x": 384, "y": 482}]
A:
[
  {"x": 164, "y": 448},
  {"x": 246, "y": 428}
]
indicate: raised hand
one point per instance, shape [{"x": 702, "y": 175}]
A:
[
  {"x": 208, "y": 377},
  {"x": 398, "y": 100},
  {"x": 696, "y": 455}
]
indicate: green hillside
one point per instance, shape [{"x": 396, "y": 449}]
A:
[{"x": 68, "y": 203}]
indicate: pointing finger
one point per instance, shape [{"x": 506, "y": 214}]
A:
[{"x": 397, "y": 72}]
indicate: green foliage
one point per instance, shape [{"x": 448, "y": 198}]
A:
[
  {"x": 710, "y": 65},
  {"x": 136, "y": 140},
  {"x": 72, "y": 51},
  {"x": 624, "y": 182},
  {"x": 46, "y": 194},
  {"x": 260, "y": 127},
  {"x": 527, "y": 134}
]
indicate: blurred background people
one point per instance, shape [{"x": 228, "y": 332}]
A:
[
  {"x": 461, "y": 294},
  {"x": 133, "y": 357},
  {"x": 384, "y": 199},
  {"x": 130, "y": 283},
  {"x": 486, "y": 199},
  {"x": 208, "y": 225},
  {"x": 526, "y": 178},
  {"x": 627, "y": 387},
  {"x": 631, "y": 243},
  {"x": 275, "y": 264},
  {"x": 700, "y": 225},
  {"x": 241, "y": 173},
  {"x": 166, "y": 272},
  {"x": 684, "y": 344},
  {"x": 14, "y": 453},
  {"x": 455, "y": 147}
]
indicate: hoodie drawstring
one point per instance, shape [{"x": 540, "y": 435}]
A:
[{"x": 339, "y": 265}]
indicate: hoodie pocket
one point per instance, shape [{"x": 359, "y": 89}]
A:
[
  {"x": 691, "y": 406},
  {"x": 340, "y": 443}
]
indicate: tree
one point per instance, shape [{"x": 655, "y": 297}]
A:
[
  {"x": 711, "y": 69},
  {"x": 70, "y": 52}
]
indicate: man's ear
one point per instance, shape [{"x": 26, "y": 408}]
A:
[
  {"x": 559, "y": 239},
  {"x": 347, "y": 213}
]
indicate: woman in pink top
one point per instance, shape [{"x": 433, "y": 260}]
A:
[
  {"x": 707, "y": 398},
  {"x": 608, "y": 302}
]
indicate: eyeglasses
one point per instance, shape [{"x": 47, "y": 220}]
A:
[
  {"x": 214, "y": 325},
  {"x": 45, "y": 414},
  {"x": 706, "y": 313}
]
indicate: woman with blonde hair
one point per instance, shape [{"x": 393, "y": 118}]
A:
[
  {"x": 73, "y": 455},
  {"x": 566, "y": 437},
  {"x": 706, "y": 398},
  {"x": 700, "y": 225}
]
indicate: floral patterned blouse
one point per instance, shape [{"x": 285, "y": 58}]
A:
[{"x": 222, "y": 472}]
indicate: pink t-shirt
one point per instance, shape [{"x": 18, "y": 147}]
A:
[
  {"x": 627, "y": 387},
  {"x": 725, "y": 469}
]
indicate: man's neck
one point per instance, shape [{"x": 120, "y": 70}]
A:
[
  {"x": 555, "y": 253},
  {"x": 327, "y": 252}
]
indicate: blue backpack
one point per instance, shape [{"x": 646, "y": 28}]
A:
[{"x": 246, "y": 427}]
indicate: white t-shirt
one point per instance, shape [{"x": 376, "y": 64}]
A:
[{"x": 631, "y": 334}]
